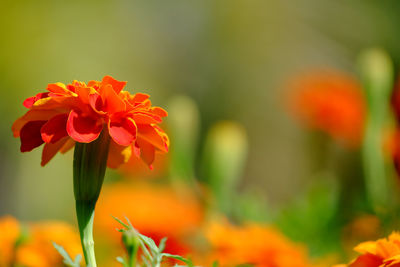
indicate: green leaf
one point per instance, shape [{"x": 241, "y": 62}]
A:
[
  {"x": 180, "y": 258},
  {"x": 162, "y": 244},
  {"x": 67, "y": 259}
]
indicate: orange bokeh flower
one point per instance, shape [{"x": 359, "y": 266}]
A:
[
  {"x": 36, "y": 248},
  {"x": 253, "y": 244},
  {"x": 329, "y": 101},
  {"x": 10, "y": 232},
  {"x": 78, "y": 112},
  {"x": 384, "y": 252},
  {"x": 155, "y": 211}
]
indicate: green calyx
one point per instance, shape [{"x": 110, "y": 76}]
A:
[{"x": 90, "y": 163}]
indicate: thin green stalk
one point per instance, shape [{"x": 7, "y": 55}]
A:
[
  {"x": 376, "y": 71},
  {"x": 85, "y": 214}
]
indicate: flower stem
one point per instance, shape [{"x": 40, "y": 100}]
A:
[
  {"x": 85, "y": 214},
  {"x": 90, "y": 162}
]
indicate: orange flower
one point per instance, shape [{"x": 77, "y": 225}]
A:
[
  {"x": 36, "y": 250},
  {"x": 384, "y": 252},
  {"x": 10, "y": 232},
  {"x": 253, "y": 244},
  {"x": 331, "y": 102},
  {"x": 78, "y": 113},
  {"x": 154, "y": 211}
]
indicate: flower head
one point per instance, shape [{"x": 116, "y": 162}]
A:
[
  {"x": 384, "y": 252},
  {"x": 331, "y": 102},
  {"x": 79, "y": 112},
  {"x": 36, "y": 248},
  {"x": 253, "y": 244}
]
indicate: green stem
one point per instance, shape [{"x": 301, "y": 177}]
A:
[
  {"x": 376, "y": 71},
  {"x": 85, "y": 214},
  {"x": 90, "y": 162}
]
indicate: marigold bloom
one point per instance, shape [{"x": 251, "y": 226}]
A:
[
  {"x": 253, "y": 244},
  {"x": 78, "y": 112},
  {"x": 155, "y": 211},
  {"x": 329, "y": 101},
  {"x": 10, "y": 232},
  {"x": 36, "y": 249},
  {"x": 384, "y": 252}
]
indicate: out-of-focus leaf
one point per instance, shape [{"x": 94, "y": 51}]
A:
[
  {"x": 66, "y": 258},
  {"x": 309, "y": 219}
]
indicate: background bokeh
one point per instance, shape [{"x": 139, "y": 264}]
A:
[{"x": 233, "y": 58}]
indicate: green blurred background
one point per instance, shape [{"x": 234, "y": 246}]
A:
[{"x": 232, "y": 57}]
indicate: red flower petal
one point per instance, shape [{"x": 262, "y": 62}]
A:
[
  {"x": 83, "y": 129},
  {"x": 145, "y": 118},
  {"x": 118, "y": 155},
  {"x": 59, "y": 89},
  {"x": 50, "y": 150},
  {"x": 31, "y": 115},
  {"x": 147, "y": 151},
  {"x": 148, "y": 133},
  {"x": 55, "y": 128},
  {"x": 96, "y": 103},
  {"x": 122, "y": 130},
  {"x": 140, "y": 97},
  {"x": 30, "y": 135},
  {"x": 367, "y": 260},
  {"x": 113, "y": 103},
  {"x": 159, "y": 111},
  {"x": 116, "y": 85},
  {"x": 28, "y": 103}
]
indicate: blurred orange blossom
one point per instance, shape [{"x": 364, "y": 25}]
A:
[
  {"x": 329, "y": 101},
  {"x": 78, "y": 112},
  {"x": 36, "y": 250},
  {"x": 254, "y": 244},
  {"x": 155, "y": 211},
  {"x": 384, "y": 252}
]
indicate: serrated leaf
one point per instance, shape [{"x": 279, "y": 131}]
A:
[
  {"x": 78, "y": 259},
  {"x": 66, "y": 258},
  {"x": 121, "y": 222},
  {"x": 150, "y": 242},
  {"x": 177, "y": 257},
  {"x": 162, "y": 244}
]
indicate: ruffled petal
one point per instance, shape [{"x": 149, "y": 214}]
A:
[
  {"x": 84, "y": 93},
  {"x": 122, "y": 130},
  {"x": 28, "y": 103},
  {"x": 116, "y": 85},
  {"x": 96, "y": 103},
  {"x": 31, "y": 115},
  {"x": 67, "y": 146},
  {"x": 151, "y": 135},
  {"x": 147, "y": 152},
  {"x": 112, "y": 102},
  {"x": 30, "y": 135},
  {"x": 367, "y": 260},
  {"x": 60, "y": 89},
  {"x": 146, "y": 118},
  {"x": 83, "y": 129},
  {"x": 159, "y": 111},
  {"x": 55, "y": 128},
  {"x": 118, "y": 155},
  {"x": 139, "y": 97},
  {"x": 50, "y": 150}
]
